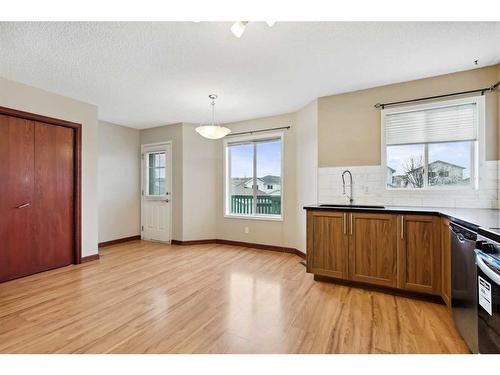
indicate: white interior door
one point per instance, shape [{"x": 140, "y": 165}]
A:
[{"x": 156, "y": 192}]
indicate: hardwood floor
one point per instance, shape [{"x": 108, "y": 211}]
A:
[{"x": 144, "y": 297}]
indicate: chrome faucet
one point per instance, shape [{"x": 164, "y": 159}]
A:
[{"x": 350, "y": 185}]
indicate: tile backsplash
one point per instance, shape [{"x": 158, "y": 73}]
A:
[{"x": 369, "y": 188}]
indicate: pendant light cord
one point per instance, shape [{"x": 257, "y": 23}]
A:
[{"x": 213, "y": 111}]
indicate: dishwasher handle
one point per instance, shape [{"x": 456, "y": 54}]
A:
[{"x": 460, "y": 237}]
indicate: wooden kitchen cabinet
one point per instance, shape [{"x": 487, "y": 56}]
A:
[
  {"x": 407, "y": 252},
  {"x": 420, "y": 253},
  {"x": 327, "y": 243},
  {"x": 373, "y": 248}
]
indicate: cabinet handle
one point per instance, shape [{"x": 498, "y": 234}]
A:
[
  {"x": 402, "y": 227},
  {"x": 24, "y": 205},
  {"x": 351, "y": 225}
]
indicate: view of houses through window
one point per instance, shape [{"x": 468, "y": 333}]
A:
[
  {"x": 434, "y": 164},
  {"x": 254, "y": 182}
]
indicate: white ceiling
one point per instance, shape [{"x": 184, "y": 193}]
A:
[{"x": 150, "y": 74}]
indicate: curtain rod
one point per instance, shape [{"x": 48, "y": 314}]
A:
[
  {"x": 482, "y": 91},
  {"x": 258, "y": 131}
]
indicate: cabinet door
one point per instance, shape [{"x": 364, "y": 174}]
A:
[
  {"x": 327, "y": 243},
  {"x": 446, "y": 262},
  {"x": 373, "y": 245},
  {"x": 420, "y": 258}
]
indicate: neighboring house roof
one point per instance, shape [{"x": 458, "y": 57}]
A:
[
  {"x": 240, "y": 180},
  {"x": 445, "y": 162},
  {"x": 440, "y": 162},
  {"x": 267, "y": 180},
  {"x": 391, "y": 169},
  {"x": 242, "y": 190},
  {"x": 271, "y": 180}
]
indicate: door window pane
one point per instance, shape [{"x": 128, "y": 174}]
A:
[
  {"x": 449, "y": 164},
  {"x": 405, "y": 166},
  {"x": 156, "y": 173},
  {"x": 269, "y": 177},
  {"x": 240, "y": 189}
]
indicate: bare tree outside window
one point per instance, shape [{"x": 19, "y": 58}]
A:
[{"x": 414, "y": 172}]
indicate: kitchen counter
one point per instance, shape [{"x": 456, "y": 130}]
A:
[{"x": 486, "y": 221}]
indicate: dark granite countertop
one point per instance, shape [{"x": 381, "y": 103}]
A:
[{"x": 484, "y": 220}]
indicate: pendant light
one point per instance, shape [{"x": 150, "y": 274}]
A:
[{"x": 213, "y": 130}]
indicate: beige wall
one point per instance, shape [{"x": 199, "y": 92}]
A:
[
  {"x": 119, "y": 182},
  {"x": 349, "y": 126},
  {"x": 279, "y": 233},
  {"x": 306, "y": 181},
  {"x": 163, "y": 134},
  {"x": 199, "y": 183},
  {"x": 30, "y": 99}
]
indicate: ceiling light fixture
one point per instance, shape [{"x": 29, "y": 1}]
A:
[
  {"x": 238, "y": 28},
  {"x": 270, "y": 23},
  {"x": 213, "y": 130}
]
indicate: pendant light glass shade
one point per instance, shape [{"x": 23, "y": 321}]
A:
[{"x": 213, "y": 130}]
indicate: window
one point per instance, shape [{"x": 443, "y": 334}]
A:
[
  {"x": 253, "y": 176},
  {"x": 431, "y": 146},
  {"x": 155, "y": 174}
]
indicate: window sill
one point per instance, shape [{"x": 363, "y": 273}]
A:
[{"x": 254, "y": 217}]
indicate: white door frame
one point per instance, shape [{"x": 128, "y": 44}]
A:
[{"x": 168, "y": 173}]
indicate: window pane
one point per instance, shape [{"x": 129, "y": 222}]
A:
[
  {"x": 156, "y": 173},
  {"x": 405, "y": 166},
  {"x": 161, "y": 159},
  {"x": 240, "y": 189},
  {"x": 449, "y": 164},
  {"x": 269, "y": 177}
]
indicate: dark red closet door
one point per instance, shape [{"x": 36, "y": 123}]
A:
[
  {"x": 53, "y": 211},
  {"x": 16, "y": 198},
  {"x": 36, "y": 197}
]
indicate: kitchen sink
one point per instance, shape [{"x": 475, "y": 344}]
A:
[{"x": 348, "y": 206}]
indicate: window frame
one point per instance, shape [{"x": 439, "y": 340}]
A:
[
  {"x": 252, "y": 138},
  {"x": 477, "y": 147}
]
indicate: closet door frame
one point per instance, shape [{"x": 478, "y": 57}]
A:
[{"x": 77, "y": 150}]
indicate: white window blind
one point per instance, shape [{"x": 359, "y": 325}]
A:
[{"x": 441, "y": 124}]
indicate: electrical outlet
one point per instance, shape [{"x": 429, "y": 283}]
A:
[{"x": 247, "y": 230}]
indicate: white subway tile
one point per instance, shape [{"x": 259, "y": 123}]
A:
[{"x": 369, "y": 188}]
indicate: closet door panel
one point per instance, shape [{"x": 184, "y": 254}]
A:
[
  {"x": 16, "y": 198},
  {"x": 54, "y": 189}
]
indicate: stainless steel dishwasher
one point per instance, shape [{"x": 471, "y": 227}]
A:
[{"x": 464, "y": 283}]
